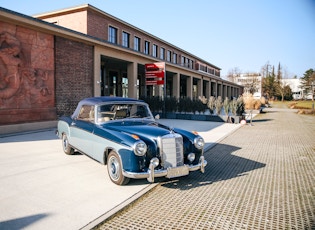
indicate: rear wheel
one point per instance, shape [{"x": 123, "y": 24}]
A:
[
  {"x": 65, "y": 145},
  {"x": 114, "y": 168}
]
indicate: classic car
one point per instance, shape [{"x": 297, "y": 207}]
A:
[{"x": 123, "y": 134}]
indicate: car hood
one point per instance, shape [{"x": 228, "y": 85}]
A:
[{"x": 143, "y": 129}]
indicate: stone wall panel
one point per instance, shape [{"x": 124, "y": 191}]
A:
[{"x": 27, "y": 85}]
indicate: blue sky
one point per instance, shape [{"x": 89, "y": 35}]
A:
[{"x": 243, "y": 34}]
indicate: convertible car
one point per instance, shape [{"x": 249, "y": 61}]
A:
[{"x": 123, "y": 134}]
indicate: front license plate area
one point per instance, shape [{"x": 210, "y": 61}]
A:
[{"x": 177, "y": 171}]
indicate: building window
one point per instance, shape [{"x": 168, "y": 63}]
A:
[
  {"x": 154, "y": 50},
  {"x": 112, "y": 34},
  {"x": 169, "y": 56},
  {"x": 183, "y": 61},
  {"x": 137, "y": 42},
  {"x": 126, "y": 39},
  {"x": 162, "y": 53},
  {"x": 147, "y": 47},
  {"x": 191, "y": 64},
  {"x": 174, "y": 58}
]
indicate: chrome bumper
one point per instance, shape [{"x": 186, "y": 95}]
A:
[{"x": 152, "y": 173}]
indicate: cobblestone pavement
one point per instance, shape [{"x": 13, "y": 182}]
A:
[{"x": 259, "y": 177}]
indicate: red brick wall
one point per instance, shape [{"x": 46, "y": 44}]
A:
[{"x": 73, "y": 73}]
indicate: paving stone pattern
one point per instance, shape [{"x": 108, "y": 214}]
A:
[{"x": 259, "y": 177}]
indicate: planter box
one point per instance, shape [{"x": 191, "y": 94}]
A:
[
  {"x": 190, "y": 116},
  {"x": 183, "y": 116},
  {"x": 170, "y": 115}
]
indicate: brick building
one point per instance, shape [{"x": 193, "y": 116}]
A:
[{"x": 60, "y": 57}]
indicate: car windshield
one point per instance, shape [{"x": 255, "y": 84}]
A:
[{"x": 116, "y": 111}]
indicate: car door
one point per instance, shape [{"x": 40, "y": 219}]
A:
[{"x": 82, "y": 130}]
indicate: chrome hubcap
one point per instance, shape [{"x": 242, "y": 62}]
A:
[{"x": 114, "y": 168}]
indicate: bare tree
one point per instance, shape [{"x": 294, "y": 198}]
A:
[{"x": 233, "y": 74}]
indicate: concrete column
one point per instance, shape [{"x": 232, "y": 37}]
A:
[
  {"x": 200, "y": 88},
  {"x": 215, "y": 87},
  {"x": 176, "y": 84},
  {"x": 97, "y": 74},
  {"x": 208, "y": 89},
  {"x": 132, "y": 73},
  {"x": 190, "y": 87}
]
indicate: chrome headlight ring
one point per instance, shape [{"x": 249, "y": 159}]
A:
[
  {"x": 199, "y": 142},
  {"x": 140, "y": 148}
]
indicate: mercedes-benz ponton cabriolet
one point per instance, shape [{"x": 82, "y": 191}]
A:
[{"x": 123, "y": 134}]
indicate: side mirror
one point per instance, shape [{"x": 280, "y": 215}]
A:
[{"x": 157, "y": 117}]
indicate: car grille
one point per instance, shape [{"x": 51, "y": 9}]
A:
[{"x": 171, "y": 150}]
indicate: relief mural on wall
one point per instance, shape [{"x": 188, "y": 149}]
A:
[{"x": 26, "y": 75}]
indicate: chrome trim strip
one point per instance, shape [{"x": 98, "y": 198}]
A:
[{"x": 151, "y": 173}]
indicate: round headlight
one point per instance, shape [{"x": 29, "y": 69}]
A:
[
  {"x": 140, "y": 148},
  {"x": 191, "y": 157},
  {"x": 199, "y": 142}
]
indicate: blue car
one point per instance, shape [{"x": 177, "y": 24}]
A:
[{"x": 122, "y": 134}]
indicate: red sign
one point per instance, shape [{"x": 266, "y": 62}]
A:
[{"x": 155, "y": 73}]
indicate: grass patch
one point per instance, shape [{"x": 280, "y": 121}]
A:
[
  {"x": 304, "y": 107},
  {"x": 300, "y": 104}
]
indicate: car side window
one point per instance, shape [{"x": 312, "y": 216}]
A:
[{"x": 86, "y": 113}]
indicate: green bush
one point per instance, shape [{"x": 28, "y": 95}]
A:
[
  {"x": 155, "y": 103},
  {"x": 170, "y": 104}
]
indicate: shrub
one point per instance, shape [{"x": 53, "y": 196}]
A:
[
  {"x": 233, "y": 106},
  {"x": 170, "y": 104},
  {"x": 218, "y": 105},
  {"x": 211, "y": 104},
  {"x": 155, "y": 103},
  {"x": 226, "y": 106},
  {"x": 184, "y": 104},
  {"x": 240, "y": 106},
  {"x": 199, "y": 105}
]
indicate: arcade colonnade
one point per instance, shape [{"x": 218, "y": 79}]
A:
[{"x": 118, "y": 74}]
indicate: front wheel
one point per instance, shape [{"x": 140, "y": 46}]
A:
[
  {"x": 66, "y": 146},
  {"x": 114, "y": 168}
]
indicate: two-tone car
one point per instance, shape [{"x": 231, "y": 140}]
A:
[{"x": 123, "y": 134}]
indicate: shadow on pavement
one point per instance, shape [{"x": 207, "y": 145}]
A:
[
  {"x": 262, "y": 120},
  {"x": 21, "y": 223},
  {"x": 39, "y": 135},
  {"x": 222, "y": 165}
]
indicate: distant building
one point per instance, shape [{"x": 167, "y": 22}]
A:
[
  {"x": 252, "y": 83},
  {"x": 295, "y": 85}
]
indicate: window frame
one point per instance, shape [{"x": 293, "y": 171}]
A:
[
  {"x": 137, "y": 43},
  {"x": 154, "y": 50},
  {"x": 125, "y": 39},
  {"x": 146, "y": 47},
  {"x": 112, "y": 34},
  {"x": 162, "y": 53}
]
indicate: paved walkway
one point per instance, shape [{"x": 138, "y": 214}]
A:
[{"x": 259, "y": 177}]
